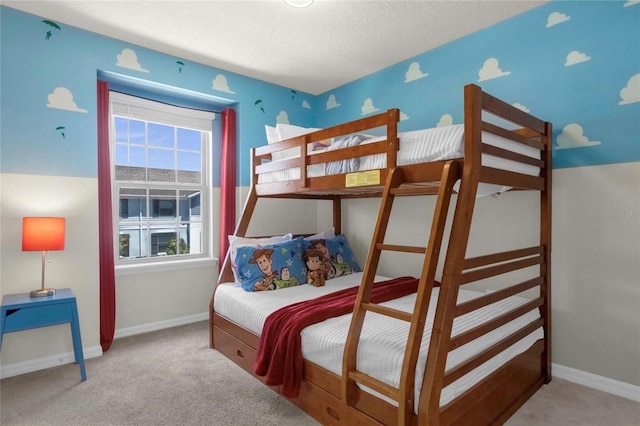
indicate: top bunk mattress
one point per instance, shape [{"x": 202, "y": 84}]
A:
[{"x": 418, "y": 146}]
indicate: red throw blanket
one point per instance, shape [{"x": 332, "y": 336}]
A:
[{"x": 280, "y": 350}]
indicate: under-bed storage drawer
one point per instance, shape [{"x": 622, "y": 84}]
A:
[{"x": 237, "y": 351}]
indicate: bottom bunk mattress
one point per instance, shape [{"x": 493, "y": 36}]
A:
[{"x": 383, "y": 339}]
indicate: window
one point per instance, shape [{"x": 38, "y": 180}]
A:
[{"x": 161, "y": 180}]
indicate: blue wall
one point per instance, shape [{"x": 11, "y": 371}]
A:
[
  {"x": 591, "y": 96},
  {"x": 49, "y": 83}
]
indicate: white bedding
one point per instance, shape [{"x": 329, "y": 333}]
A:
[
  {"x": 423, "y": 146},
  {"x": 383, "y": 339}
]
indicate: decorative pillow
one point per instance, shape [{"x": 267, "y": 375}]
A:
[
  {"x": 329, "y": 233},
  {"x": 272, "y": 266},
  {"x": 273, "y": 137},
  {"x": 321, "y": 145},
  {"x": 288, "y": 131},
  {"x": 235, "y": 242},
  {"x": 338, "y": 259},
  {"x": 272, "y": 134}
]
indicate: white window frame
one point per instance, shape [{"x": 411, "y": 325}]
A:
[{"x": 152, "y": 111}]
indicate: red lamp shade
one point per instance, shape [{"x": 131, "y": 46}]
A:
[{"x": 42, "y": 233}]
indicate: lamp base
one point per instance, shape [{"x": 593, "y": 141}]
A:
[{"x": 42, "y": 292}]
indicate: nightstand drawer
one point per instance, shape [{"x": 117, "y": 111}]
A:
[{"x": 39, "y": 316}]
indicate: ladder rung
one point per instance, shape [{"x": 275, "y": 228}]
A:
[
  {"x": 375, "y": 384},
  {"x": 390, "y": 312},
  {"x": 406, "y": 249}
]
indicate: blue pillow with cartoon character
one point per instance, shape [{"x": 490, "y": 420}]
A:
[
  {"x": 272, "y": 267},
  {"x": 337, "y": 259}
]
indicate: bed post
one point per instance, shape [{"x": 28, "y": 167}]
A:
[
  {"x": 429, "y": 408},
  {"x": 337, "y": 215},
  {"x": 545, "y": 241},
  {"x": 226, "y": 275}
]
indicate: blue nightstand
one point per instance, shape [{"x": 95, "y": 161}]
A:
[{"x": 22, "y": 312}]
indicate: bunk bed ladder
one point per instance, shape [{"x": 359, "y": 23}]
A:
[{"x": 404, "y": 395}]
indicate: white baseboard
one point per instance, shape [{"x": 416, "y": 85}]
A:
[
  {"x": 37, "y": 364},
  {"x": 614, "y": 387},
  {"x": 31, "y": 365},
  {"x": 160, "y": 325}
]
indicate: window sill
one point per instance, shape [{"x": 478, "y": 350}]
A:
[{"x": 142, "y": 268}]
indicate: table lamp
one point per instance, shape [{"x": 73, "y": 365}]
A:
[{"x": 42, "y": 234}]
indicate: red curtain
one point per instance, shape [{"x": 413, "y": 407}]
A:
[
  {"x": 227, "y": 181},
  {"x": 105, "y": 223}
]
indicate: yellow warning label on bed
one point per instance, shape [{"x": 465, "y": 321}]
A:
[{"x": 363, "y": 178}]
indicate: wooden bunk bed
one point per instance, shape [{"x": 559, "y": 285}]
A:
[{"x": 340, "y": 399}]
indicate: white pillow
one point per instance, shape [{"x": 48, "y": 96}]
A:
[
  {"x": 329, "y": 233},
  {"x": 235, "y": 242},
  {"x": 272, "y": 137},
  {"x": 288, "y": 131},
  {"x": 272, "y": 134}
]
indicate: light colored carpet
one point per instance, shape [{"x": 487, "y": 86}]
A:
[{"x": 171, "y": 377}]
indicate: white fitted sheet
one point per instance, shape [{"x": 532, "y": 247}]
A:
[
  {"x": 428, "y": 145},
  {"x": 383, "y": 339}
]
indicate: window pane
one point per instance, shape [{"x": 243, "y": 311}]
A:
[
  {"x": 122, "y": 129},
  {"x": 163, "y": 242},
  {"x": 191, "y": 234},
  {"x": 189, "y": 205},
  {"x": 136, "y": 156},
  {"x": 137, "y": 132},
  {"x": 129, "y": 155},
  {"x": 122, "y": 154},
  {"x": 133, "y": 204},
  {"x": 161, "y": 159},
  {"x": 132, "y": 242},
  {"x": 162, "y": 203},
  {"x": 188, "y": 161},
  {"x": 189, "y": 139},
  {"x": 189, "y": 177},
  {"x": 161, "y": 135},
  {"x": 124, "y": 245},
  {"x": 131, "y": 174}
]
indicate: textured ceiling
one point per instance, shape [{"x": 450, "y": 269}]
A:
[{"x": 314, "y": 49}]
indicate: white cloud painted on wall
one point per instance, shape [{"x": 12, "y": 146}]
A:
[
  {"x": 283, "y": 117},
  {"x": 445, "y": 120},
  {"x": 631, "y": 3},
  {"x": 491, "y": 69},
  {"x": 62, "y": 98},
  {"x": 220, "y": 83},
  {"x": 305, "y": 104},
  {"x": 572, "y": 136},
  {"x": 403, "y": 116},
  {"x": 556, "y": 18},
  {"x": 332, "y": 102},
  {"x": 631, "y": 92},
  {"x": 576, "y": 57},
  {"x": 414, "y": 73},
  {"x": 521, "y": 107},
  {"x": 368, "y": 107},
  {"x": 128, "y": 59}
]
